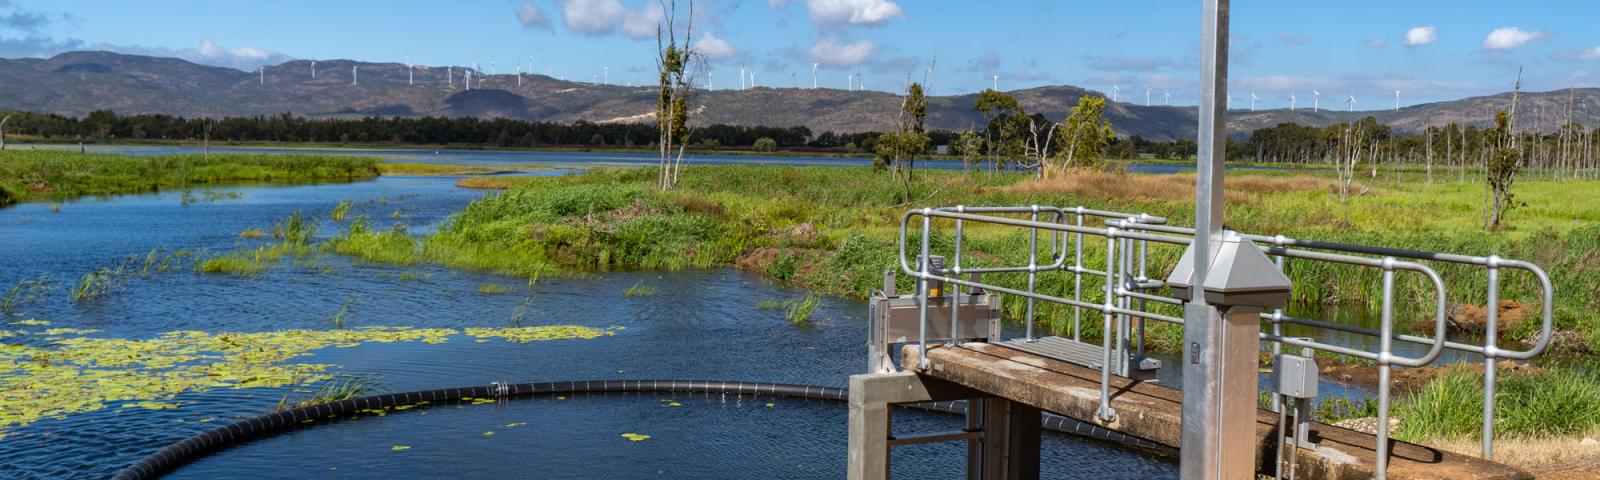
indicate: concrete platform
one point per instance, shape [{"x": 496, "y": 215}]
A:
[{"x": 1154, "y": 412}]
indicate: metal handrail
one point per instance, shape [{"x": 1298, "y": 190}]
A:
[{"x": 1120, "y": 296}]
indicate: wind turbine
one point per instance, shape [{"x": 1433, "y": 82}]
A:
[
  {"x": 468, "y": 78},
  {"x": 313, "y": 69},
  {"x": 814, "y": 75},
  {"x": 354, "y": 79},
  {"x": 1166, "y": 98},
  {"x": 1316, "y": 101},
  {"x": 491, "y": 68},
  {"x": 711, "y": 80},
  {"x": 263, "y": 70},
  {"x": 996, "y": 83},
  {"x": 450, "y": 75},
  {"x": 530, "y": 65},
  {"x": 1352, "y": 101},
  {"x": 1252, "y": 101},
  {"x": 1291, "y": 102},
  {"x": 606, "y": 72},
  {"x": 1230, "y": 101},
  {"x": 1115, "y": 92},
  {"x": 519, "y": 74},
  {"x": 1147, "y": 96},
  {"x": 741, "y": 77},
  {"x": 1396, "y": 100}
]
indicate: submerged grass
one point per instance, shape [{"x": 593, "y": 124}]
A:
[
  {"x": 24, "y": 293},
  {"x": 30, "y": 175},
  {"x": 639, "y": 289},
  {"x": 97, "y": 284},
  {"x": 345, "y": 387},
  {"x": 491, "y": 289}
]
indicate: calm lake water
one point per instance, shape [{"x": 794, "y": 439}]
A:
[{"x": 702, "y": 324}]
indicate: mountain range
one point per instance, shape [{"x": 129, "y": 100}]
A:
[{"x": 77, "y": 83}]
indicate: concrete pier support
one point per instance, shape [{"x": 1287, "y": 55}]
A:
[{"x": 1002, "y": 436}]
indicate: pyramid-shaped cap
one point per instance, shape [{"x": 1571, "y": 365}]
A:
[{"x": 1240, "y": 275}]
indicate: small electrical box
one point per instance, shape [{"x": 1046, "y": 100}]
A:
[{"x": 1297, "y": 375}]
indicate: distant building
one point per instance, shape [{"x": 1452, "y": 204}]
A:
[{"x": 941, "y": 150}]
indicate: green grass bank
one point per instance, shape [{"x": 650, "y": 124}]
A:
[{"x": 38, "y": 175}]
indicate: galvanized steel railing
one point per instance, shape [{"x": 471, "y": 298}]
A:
[{"x": 1127, "y": 288}]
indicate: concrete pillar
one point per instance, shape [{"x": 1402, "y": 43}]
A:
[{"x": 1009, "y": 448}]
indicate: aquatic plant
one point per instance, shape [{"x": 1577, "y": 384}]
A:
[
  {"x": 639, "y": 289},
  {"x": 340, "y": 210},
  {"x": 491, "y": 289},
  {"x": 29, "y": 175},
  {"x": 342, "y": 388},
  {"x": 799, "y": 311},
  {"x": 411, "y": 276},
  {"x": 393, "y": 246},
  {"x": 295, "y": 230},
  {"x": 520, "y": 312},
  {"x": 96, "y": 284},
  {"x": 76, "y": 374},
  {"x": 24, "y": 293},
  {"x": 338, "y": 317},
  {"x": 252, "y": 233}
]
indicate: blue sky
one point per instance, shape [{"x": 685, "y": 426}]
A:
[{"x": 1430, "y": 50}]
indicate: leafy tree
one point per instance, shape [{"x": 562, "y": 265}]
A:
[
  {"x": 766, "y": 144},
  {"x": 901, "y": 147},
  {"x": 969, "y": 145},
  {"x": 1085, "y": 135},
  {"x": 672, "y": 108},
  {"x": 1007, "y": 120},
  {"x": 1503, "y": 164}
]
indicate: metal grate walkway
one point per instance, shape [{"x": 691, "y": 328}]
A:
[{"x": 1067, "y": 350}]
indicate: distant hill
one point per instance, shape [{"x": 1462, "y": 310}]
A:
[{"x": 76, "y": 83}]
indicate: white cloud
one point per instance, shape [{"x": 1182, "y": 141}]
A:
[
  {"x": 642, "y": 23},
  {"x": 834, "y": 52},
  {"x": 1506, "y": 38},
  {"x": 839, "y": 13},
  {"x": 1590, "y": 54},
  {"x": 1375, "y": 42},
  {"x": 713, "y": 47},
  {"x": 1420, "y": 36},
  {"x": 591, "y": 17},
  {"x": 532, "y": 17}
]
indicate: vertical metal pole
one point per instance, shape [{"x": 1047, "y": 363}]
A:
[
  {"x": 1208, "y": 425},
  {"x": 955, "y": 288},
  {"x": 922, "y": 292},
  {"x": 1490, "y": 336},
  {"x": 1106, "y": 333},
  {"x": 1033, "y": 267},
  {"x": 1077, "y": 283},
  {"x": 1385, "y": 342},
  {"x": 1277, "y": 325}
]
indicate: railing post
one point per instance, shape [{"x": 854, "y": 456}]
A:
[
  {"x": 1077, "y": 282},
  {"x": 922, "y": 290},
  {"x": 1033, "y": 268},
  {"x": 1491, "y": 334},
  {"x": 955, "y": 288},
  {"x": 1385, "y": 343},
  {"x": 1106, "y": 412},
  {"x": 1277, "y": 319}
]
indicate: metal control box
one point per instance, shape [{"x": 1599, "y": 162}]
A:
[
  {"x": 895, "y": 319},
  {"x": 1297, "y": 375}
]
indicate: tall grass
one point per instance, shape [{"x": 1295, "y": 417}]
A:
[
  {"x": 28, "y": 175},
  {"x": 795, "y": 310},
  {"x": 339, "y": 316},
  {"x": 96, "y": 284},
  {"x": 24, "y": 293},
  {"x": 1545, "y": 403},
  {"x": 339, "y": 389},
  {"x": 340, "y": 210},
  {"x": 639, "y": 289}
]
